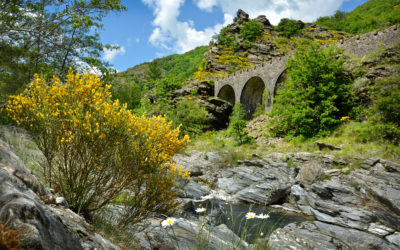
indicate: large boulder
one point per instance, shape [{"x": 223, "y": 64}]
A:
[
  {"x": 319, "y": 235},
  {"x": 187, "y": 234}
]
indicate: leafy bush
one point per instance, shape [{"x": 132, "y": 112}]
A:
[
  {"x": 129, "y": 94},
  {"x": 190, "y": 115},
  {"x": 226, "y": 39},
  {"x": 251, "y": 30},
  {"x": 384, "y": 114},
  {"x": 316, "y": 95},
  {"x": 289, "y": 27},
  {"x": 237, "y": 125},
  {"x": 94, "y": 147},
  {"x": 166, "y": 85}
]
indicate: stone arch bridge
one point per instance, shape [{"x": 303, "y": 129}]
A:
[{"x": 250, "y": 85}]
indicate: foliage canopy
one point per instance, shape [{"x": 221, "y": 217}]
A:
[
  {"x": 316, "y": 95},
  {"x": 251, "y": 30},
  {"x": 48, "y": 37}
]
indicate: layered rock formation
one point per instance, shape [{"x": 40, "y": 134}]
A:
[{"x": 352, "y": 206}]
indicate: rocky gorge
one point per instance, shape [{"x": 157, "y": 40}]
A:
[{"x": 342, "y": 204}]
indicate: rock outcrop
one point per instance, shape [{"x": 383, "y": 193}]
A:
[
  {"x": 262, "y": 49},
  {"x": 27, "y": 206},
  {"x": 352, "y": 207}
]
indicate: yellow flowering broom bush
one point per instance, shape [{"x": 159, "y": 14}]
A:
[{"x": 95, "y": 148}]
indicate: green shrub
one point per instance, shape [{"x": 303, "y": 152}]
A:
[
  {"x": 166, "y": 85},
  {"x": 237, "y": 125},
  {"x": 289, "y": 27},
  {"x": 383, "y": 116},
  {"x": 129, "y": 94},
  {"x": 190, "y": 114},
  {"x": 251, "y": 30},
  {"x": 224, "y": 38},
  {"x": 316, "y": 95}
]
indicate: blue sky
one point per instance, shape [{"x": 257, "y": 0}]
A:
[{"x": 156, "y": 28}]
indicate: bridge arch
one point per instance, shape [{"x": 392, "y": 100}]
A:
[
  {"x": 227, "y": 93},
  {"x": 252, "y": 95},
  {"x": 277, "y": 84}
]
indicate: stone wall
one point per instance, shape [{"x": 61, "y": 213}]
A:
[{"x": 360, "y": 45}]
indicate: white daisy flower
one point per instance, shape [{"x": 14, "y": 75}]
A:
[
  {"x": 250, "y": 215},
  {"x": 168, "y": 222},
  {"x": 206, "y": 197},
  {"x": 200, "y": 210},
  {"x": 263, "y": 216}
]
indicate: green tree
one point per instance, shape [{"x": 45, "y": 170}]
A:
[
  {"x": 316, "y": 95},
  {"x": 237, "y": 125},
  {"x": 154, "y": 71},
  {"x": 49, "y": 37}
]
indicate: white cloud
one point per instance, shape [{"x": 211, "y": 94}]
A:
[
  {"x": 110, "y": 54},
  {"x": 180, "y": 36}
]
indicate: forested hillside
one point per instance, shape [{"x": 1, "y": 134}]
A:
[
  {"x": 161, "y": 76},
  {"x": 374, "y": 14}
]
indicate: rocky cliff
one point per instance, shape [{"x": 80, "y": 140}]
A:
[{"x": 242, "y": 53}]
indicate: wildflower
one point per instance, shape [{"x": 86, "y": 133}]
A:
[
  {"x": 344, "y": 118},
  {"x": 168, "y": 222},
  {"x": 263, "y": 216},
  {"x": 250, "y": 215},
  {"x": 206, "y": 197},
  {"x": 200, "y": 210},
  {"x": 261, "y": 234}
]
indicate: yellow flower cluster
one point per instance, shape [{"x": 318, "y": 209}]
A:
[
  {"x": 265, "y": 36},
  {"x": 77, "y": 123},
  {"x": 228, "y": 58},
  {"x": 324, "y": 42},
  {"x": 344, "y": 118}
]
